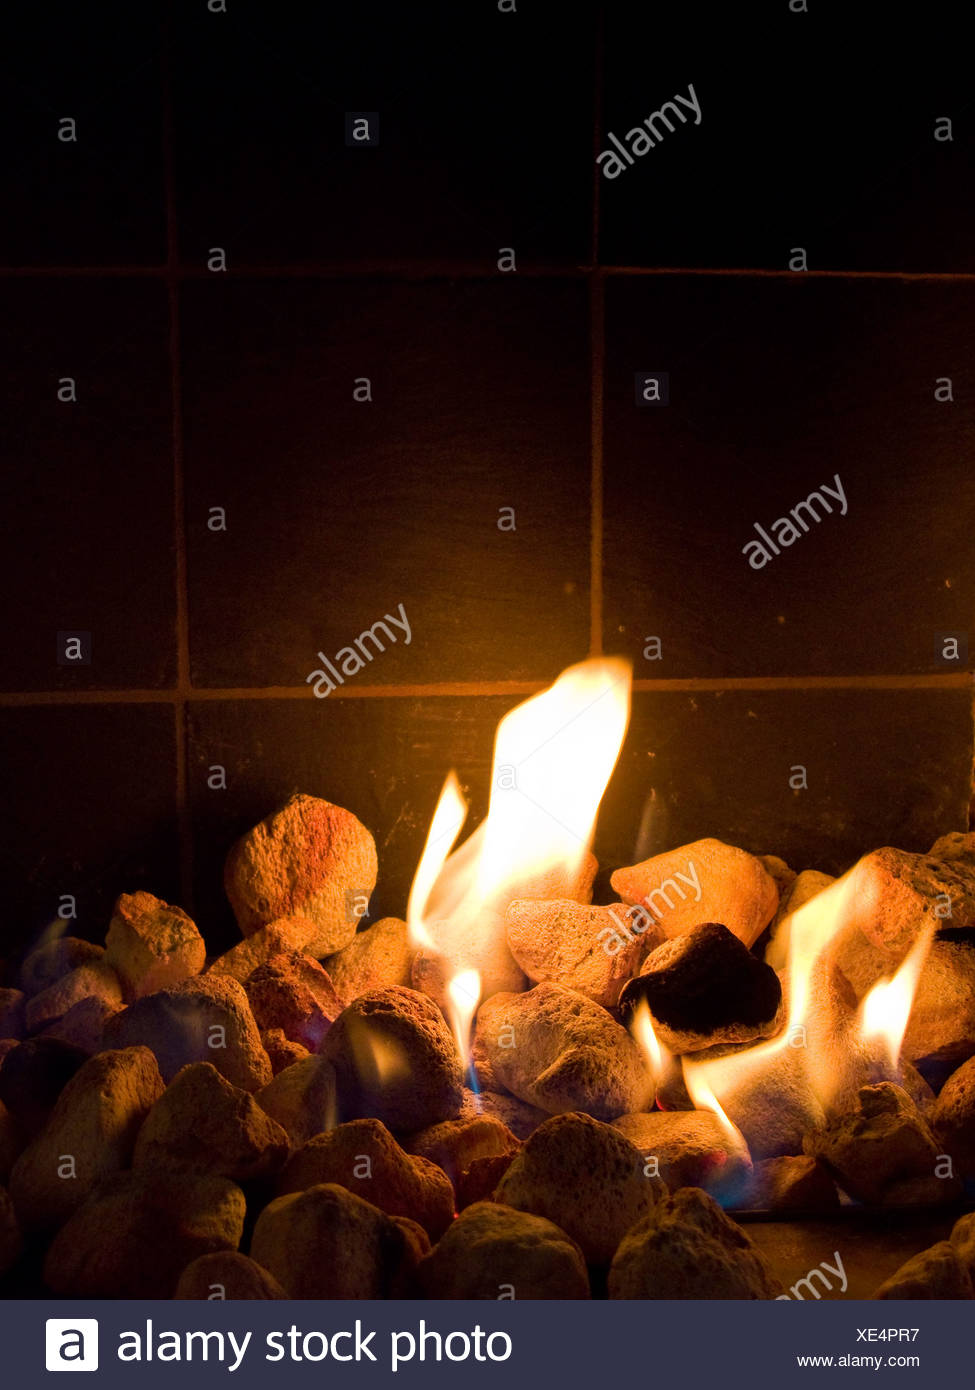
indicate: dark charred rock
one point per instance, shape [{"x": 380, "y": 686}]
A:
[{"x": 703, "y": 987}]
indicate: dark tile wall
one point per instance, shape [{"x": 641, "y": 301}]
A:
[{"x": 263, "y": 387}]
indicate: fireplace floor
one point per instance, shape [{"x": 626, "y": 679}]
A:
[{"x": 872, "y": 1245}]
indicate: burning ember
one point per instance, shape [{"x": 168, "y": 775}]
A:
[{"x": 511, "y": 1067}]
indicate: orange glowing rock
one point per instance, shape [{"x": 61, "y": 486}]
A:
[
  {"x": 706, "y": 881},
  {"x": 593, "y": 950},
  {"x": 941, "y": 1028},
  {"x": 455, "y": 1144},
  {"x": 151, "y": 945},
  {"x": 292, "y": 992},
  {"x": 885, "y": 1140},
  {"x": 379, "y": 956},
  {"x": 282, "y": 1052},
  {"x": 309, "y": 858},
  {"x": 286, "y": 934},
  {"x": 84, "y": 1024},
  {"x": 517, "y": 1115},
  {"x": 953, "y": 1119}
]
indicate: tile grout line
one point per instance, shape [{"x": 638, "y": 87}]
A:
[
  {"x": 183, "y": 687},
  {"x": 948, "y": 680},
  {"x": 596, "y": 369},
  {"x": 439, "y": 270}
]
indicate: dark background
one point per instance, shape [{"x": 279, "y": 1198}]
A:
[{"x": 196, "y": 388}]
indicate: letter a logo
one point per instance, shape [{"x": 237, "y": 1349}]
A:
[{"x": 72, "y": 1344}]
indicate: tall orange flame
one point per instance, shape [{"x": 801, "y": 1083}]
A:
[{"x": 553, "y": 757}]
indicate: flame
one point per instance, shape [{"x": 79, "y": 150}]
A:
[
  {"x": 810, "y": 1061},
  {"x": 553, "y": 757},
  {"x": 657, "y": 1056},
  {"x": 886, "y": 1009},
  {"x": 705, "y": 1099},
  {"x": 463, "y": 997},
  {"x": 446, "y": 825}
]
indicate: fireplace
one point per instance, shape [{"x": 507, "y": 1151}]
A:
[{"x": 487, "y": 713}]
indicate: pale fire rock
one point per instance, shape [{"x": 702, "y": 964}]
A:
[
  {"x": 897, "y": 895},
  {"x": 363, "y": 1157},
  {"x": 139, "y": 1231},
  {"x": 309, "y": 858},
  {"x": 379, "y": 956},
  {"x": 559, "y": 1051},
  {"x": 286, "y": 934},
  {"x": 687, "y": 1248},
  {"x": 206, "y": 1019},
  {"x": 585, "y": 1177},
  {"x": 151, "y": 945},
  {"x": 492, "y": 1248},
  {"x": 705, "y": 881},
  {"x": 885, "y": 1140},
  {"x": 593, "y": 950},
  {"x": 941, "y": 1029},
  {"x": 202, "y": 1124},
  {"x": 89, "y": 1136}
]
